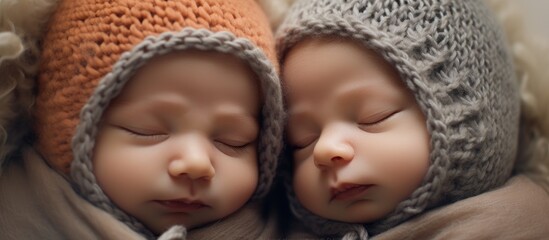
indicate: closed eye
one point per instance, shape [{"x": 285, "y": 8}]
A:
[
  {"x": 232, "y": 147},
  {"x": 234, "y": 144},
  {"x": 303, "y": 143},
  {"x": 145, "y": 134},
  {"x": 376, "y": 120}
]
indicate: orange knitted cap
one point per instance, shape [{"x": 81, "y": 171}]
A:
[{"x": 86, "y": 38}]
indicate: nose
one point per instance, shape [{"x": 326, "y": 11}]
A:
[
  {"x": 192, "y": 159},
  {"x": 332, "y": 149}
]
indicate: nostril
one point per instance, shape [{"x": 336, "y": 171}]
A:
[
  {"x": 209, "y": 175},
  {"x": 324, "y": 165},
  {"x": 337, "y": 159},
  {"x": 204, "y": 178},
  {"x": 202, "y": 174}
]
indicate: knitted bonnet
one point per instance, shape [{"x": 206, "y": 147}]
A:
[
  {"x": 92, "y": 48},
  {"x": 452, "y": 55}
]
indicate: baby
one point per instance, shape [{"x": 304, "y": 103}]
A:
[
  {"x": 401, "y": 110},
  {"x": 159, "y": 113}
]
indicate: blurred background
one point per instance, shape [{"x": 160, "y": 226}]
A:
[{"x": 537, "y": 17}]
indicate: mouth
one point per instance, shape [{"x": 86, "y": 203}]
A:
[
  {"x": 348, "y": 191},
  {"x": 182, "y": 205}
]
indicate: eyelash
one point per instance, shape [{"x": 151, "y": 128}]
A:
[
  {"x": 374, "y": 123},
  {"x": 233, "y": 148},
  {"x": 305, "y": 145},
  {"x": 298, "y": 147},
  {"x": 154, "y": 136}
]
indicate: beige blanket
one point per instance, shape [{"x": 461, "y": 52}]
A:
[
  {"x": 38, "y": 203},
  {"x": 517, "y": 210}
]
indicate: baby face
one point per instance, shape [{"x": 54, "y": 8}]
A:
[
  {"x": 359, "y": 139},
  {"x": 178, "y": 145}
]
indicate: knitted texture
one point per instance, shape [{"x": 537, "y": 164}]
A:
[
  {"x": 93, "y": 48},
  {"x": 453, "y": 57},
  {"x": 86, "y": 38}
]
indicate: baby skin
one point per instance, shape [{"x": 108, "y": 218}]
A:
[
  {"x": 178, "y": 145},
  {"x": 359, "y": 139}
]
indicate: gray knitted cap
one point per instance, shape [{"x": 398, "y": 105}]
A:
[
  {"x": 93, "y": 48},
  {"x": 452, "y": 55}
]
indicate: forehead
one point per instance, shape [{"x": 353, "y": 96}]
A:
[
  {"x": 202, "y": 75},
  {"x": 306, "y": 57},
  {"x": 316, "y": 66}
]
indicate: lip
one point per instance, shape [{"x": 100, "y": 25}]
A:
[
  {"x": 182, "y": 205},
  {"x": 348, "y": 191}
]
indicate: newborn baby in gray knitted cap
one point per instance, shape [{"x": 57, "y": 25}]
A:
[{"x": 403, "y": 122}]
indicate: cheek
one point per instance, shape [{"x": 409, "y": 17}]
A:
[
  {"x": 307, "y": 184},
  {"x": 405, "y": 161},
  {"x": 122, "y": 163},
  {"x": 235, "y": 181},
  {"x": 123, "y": 172}
]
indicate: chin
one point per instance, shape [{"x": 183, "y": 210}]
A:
[
  {"x": 358, "y": 214},
  {"x": 359, "y": 218}
]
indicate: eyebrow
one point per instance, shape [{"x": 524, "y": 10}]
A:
[
  {"x": 299, "y": 110},
  {"x": 157, "y": 106},
  {"x": 236, "y": 113},
  {"x": 299, "y": 115},
  {"x": 345, "y": 98},
  {"x": 360, "y": 88},
  {"x": 245, "y": 122},
  {"x": 164, "y": 101}
]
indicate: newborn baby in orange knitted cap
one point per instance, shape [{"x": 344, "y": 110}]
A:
[{"x": 160, "y": 113}]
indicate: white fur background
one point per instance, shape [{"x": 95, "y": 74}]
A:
[{"x": 536, "y": 15}]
